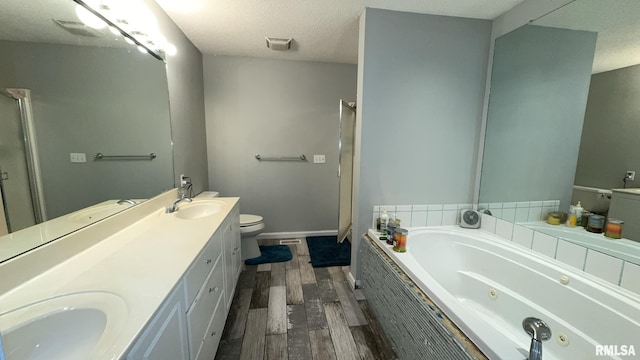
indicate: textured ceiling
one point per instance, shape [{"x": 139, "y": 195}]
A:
[
  {"x": 616, "y": 22},
  {"x": 323, "y": 30}
]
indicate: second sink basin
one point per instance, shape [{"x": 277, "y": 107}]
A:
[
  {"x": 197, "y": 210},
  {"x": 75, "y": 326}
]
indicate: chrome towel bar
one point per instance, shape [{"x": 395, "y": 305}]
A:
[
  {"x": 300, "y": 157},
  {"x": 101, "y": 156}
]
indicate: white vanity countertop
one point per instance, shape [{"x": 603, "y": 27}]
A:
[
  {"x": 140, "y": 263},
  {"x": 22, "y": 240}
]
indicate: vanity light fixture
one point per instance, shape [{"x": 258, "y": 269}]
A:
[{"x": 134, "y": 21}]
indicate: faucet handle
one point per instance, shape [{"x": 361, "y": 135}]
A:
[{"x": 536, "y": 328}]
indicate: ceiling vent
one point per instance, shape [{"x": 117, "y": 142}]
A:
[
  {"x": 278, "y": 43},
  {"x": 78, "y": 28}
]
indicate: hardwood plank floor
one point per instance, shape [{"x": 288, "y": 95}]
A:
[{"x": 291, "y": 310}]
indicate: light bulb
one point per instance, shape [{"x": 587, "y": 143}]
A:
[
  {"x": 88, "y": 18},
  {"x": 170, "y": 49}
]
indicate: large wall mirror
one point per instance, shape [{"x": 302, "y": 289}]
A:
[
  {"x": 564, "y": 119},
  {"x": 84, "y": 123}
]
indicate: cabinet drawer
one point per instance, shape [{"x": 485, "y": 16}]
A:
[
  {"x": 201, "y": 267},
  {"x": 202, "y": 308},
  {"x": 214, "y": 333}
]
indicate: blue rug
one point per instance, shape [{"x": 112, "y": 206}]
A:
[
  {"x": 325, "y": 251},
  {"x": 271, "y": 254}
]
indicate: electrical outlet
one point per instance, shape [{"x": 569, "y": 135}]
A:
[
  {"x": 630, "y": 175},
  {"x": 78, "y": 157},
  {"x": 318, "y": 159}
]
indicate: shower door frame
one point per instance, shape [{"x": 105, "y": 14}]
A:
[
  {"x": 346, "y": 232},
  {"x": 23, "y": 100}
]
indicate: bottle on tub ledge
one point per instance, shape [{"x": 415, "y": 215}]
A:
[
  {"x": 384, "y": 223},
  {"x": 400, "y": 240},
  {"x": 394, "y": 222}
]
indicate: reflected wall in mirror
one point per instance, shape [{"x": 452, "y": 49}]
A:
[
  {"x": 562, "y": 119},
  {"x": 74, "y": 92}
]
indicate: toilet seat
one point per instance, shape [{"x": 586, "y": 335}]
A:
[
  {"x": 250, "y": 223},
  {"x": 249, "y": 220}
]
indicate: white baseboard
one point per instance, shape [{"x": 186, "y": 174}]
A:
[
  {"x": 296, "y": 234},
  {"x": 355, "y": 284}
]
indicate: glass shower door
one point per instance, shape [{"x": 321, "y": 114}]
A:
[
  {"x": 15, "y": 192},
  {"x": 345, "y": 168}
]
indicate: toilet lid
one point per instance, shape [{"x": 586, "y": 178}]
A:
[{"x": 248, "y": 219}]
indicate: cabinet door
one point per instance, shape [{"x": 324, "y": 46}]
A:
[
  {"x": 230, "y": 261},
  {"x": 214, "y": 333},
  {"x": 235, "y": 234},
  {"x": 166, "y": 335}
]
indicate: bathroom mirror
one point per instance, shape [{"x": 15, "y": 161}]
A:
[
  {"x": 84, "y": 122},
  {"x": 563, "y": 91}
]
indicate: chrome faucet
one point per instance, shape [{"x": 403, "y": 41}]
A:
[
  {"x": 126, "y": 201},
  {"x": 174, "y": 206},
  {"x": 539, "y": 332}
]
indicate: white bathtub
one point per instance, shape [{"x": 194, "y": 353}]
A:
[{"x": 459, "y": 268}]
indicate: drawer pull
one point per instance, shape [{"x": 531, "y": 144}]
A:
[
  {"x": 213, "y": 289},
  {"x": 208, "y": 261},
  {"x": 235, "y": 249}
]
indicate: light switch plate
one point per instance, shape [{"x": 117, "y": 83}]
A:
[
  {"x": 318, "y": 159},
  {"x": 78, "y": 157}
]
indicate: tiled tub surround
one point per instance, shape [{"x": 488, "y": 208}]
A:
[
  {"x": 522, "y": 211},
  {"x": 447, "y": 214},
  {"x": 415, "y": 325},
  {"x": 486, "y": 286},
  {"x": 617, "y": 271}
]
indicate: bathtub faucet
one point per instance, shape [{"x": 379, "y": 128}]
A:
[{"x": 539, "y": 332}]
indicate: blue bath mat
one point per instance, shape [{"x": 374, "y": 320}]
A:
[
  {"x": 271, "y": 254},
  {"x": 326, "y": 251}
]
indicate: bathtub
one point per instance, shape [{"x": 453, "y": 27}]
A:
[{"x": 486, "y": 286}]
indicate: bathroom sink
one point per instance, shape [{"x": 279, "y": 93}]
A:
[
  {"x": 74, "y": 326},
  {"x": 197, "y": 210}
]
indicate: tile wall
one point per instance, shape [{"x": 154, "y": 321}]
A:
[
  {"x": 421, "y": 215},
  {"x": 522, "y": 211}
]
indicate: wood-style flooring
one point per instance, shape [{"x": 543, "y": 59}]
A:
[{"x": 290, "y": 310}]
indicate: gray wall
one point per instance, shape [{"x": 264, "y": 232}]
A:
[
  {"x": 279, "y": 108},
  {"x": 609, "y": 145},
  {"x": 421, "y": 89},
  {"x": 539, "y": 88},
  {"x": 90, "y": 100},
  {"x": 186, "y": 94}
]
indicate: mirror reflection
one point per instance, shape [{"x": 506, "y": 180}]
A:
[
  {"x": 69, "y": 92},
  {"x": 562, "y": 123}
]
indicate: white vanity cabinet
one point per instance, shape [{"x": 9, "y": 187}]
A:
[
  {"x": 232, "y": 255},
  {"x": 200, "y": 307},
  {"x": 165, "y": 337}
]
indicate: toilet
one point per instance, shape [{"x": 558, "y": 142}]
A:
[{"x": 250, "y": 227}]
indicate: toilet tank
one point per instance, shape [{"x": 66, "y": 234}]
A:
[
  {"x": 593, "y": 199},
  {"x": 208, "y": 194}
]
